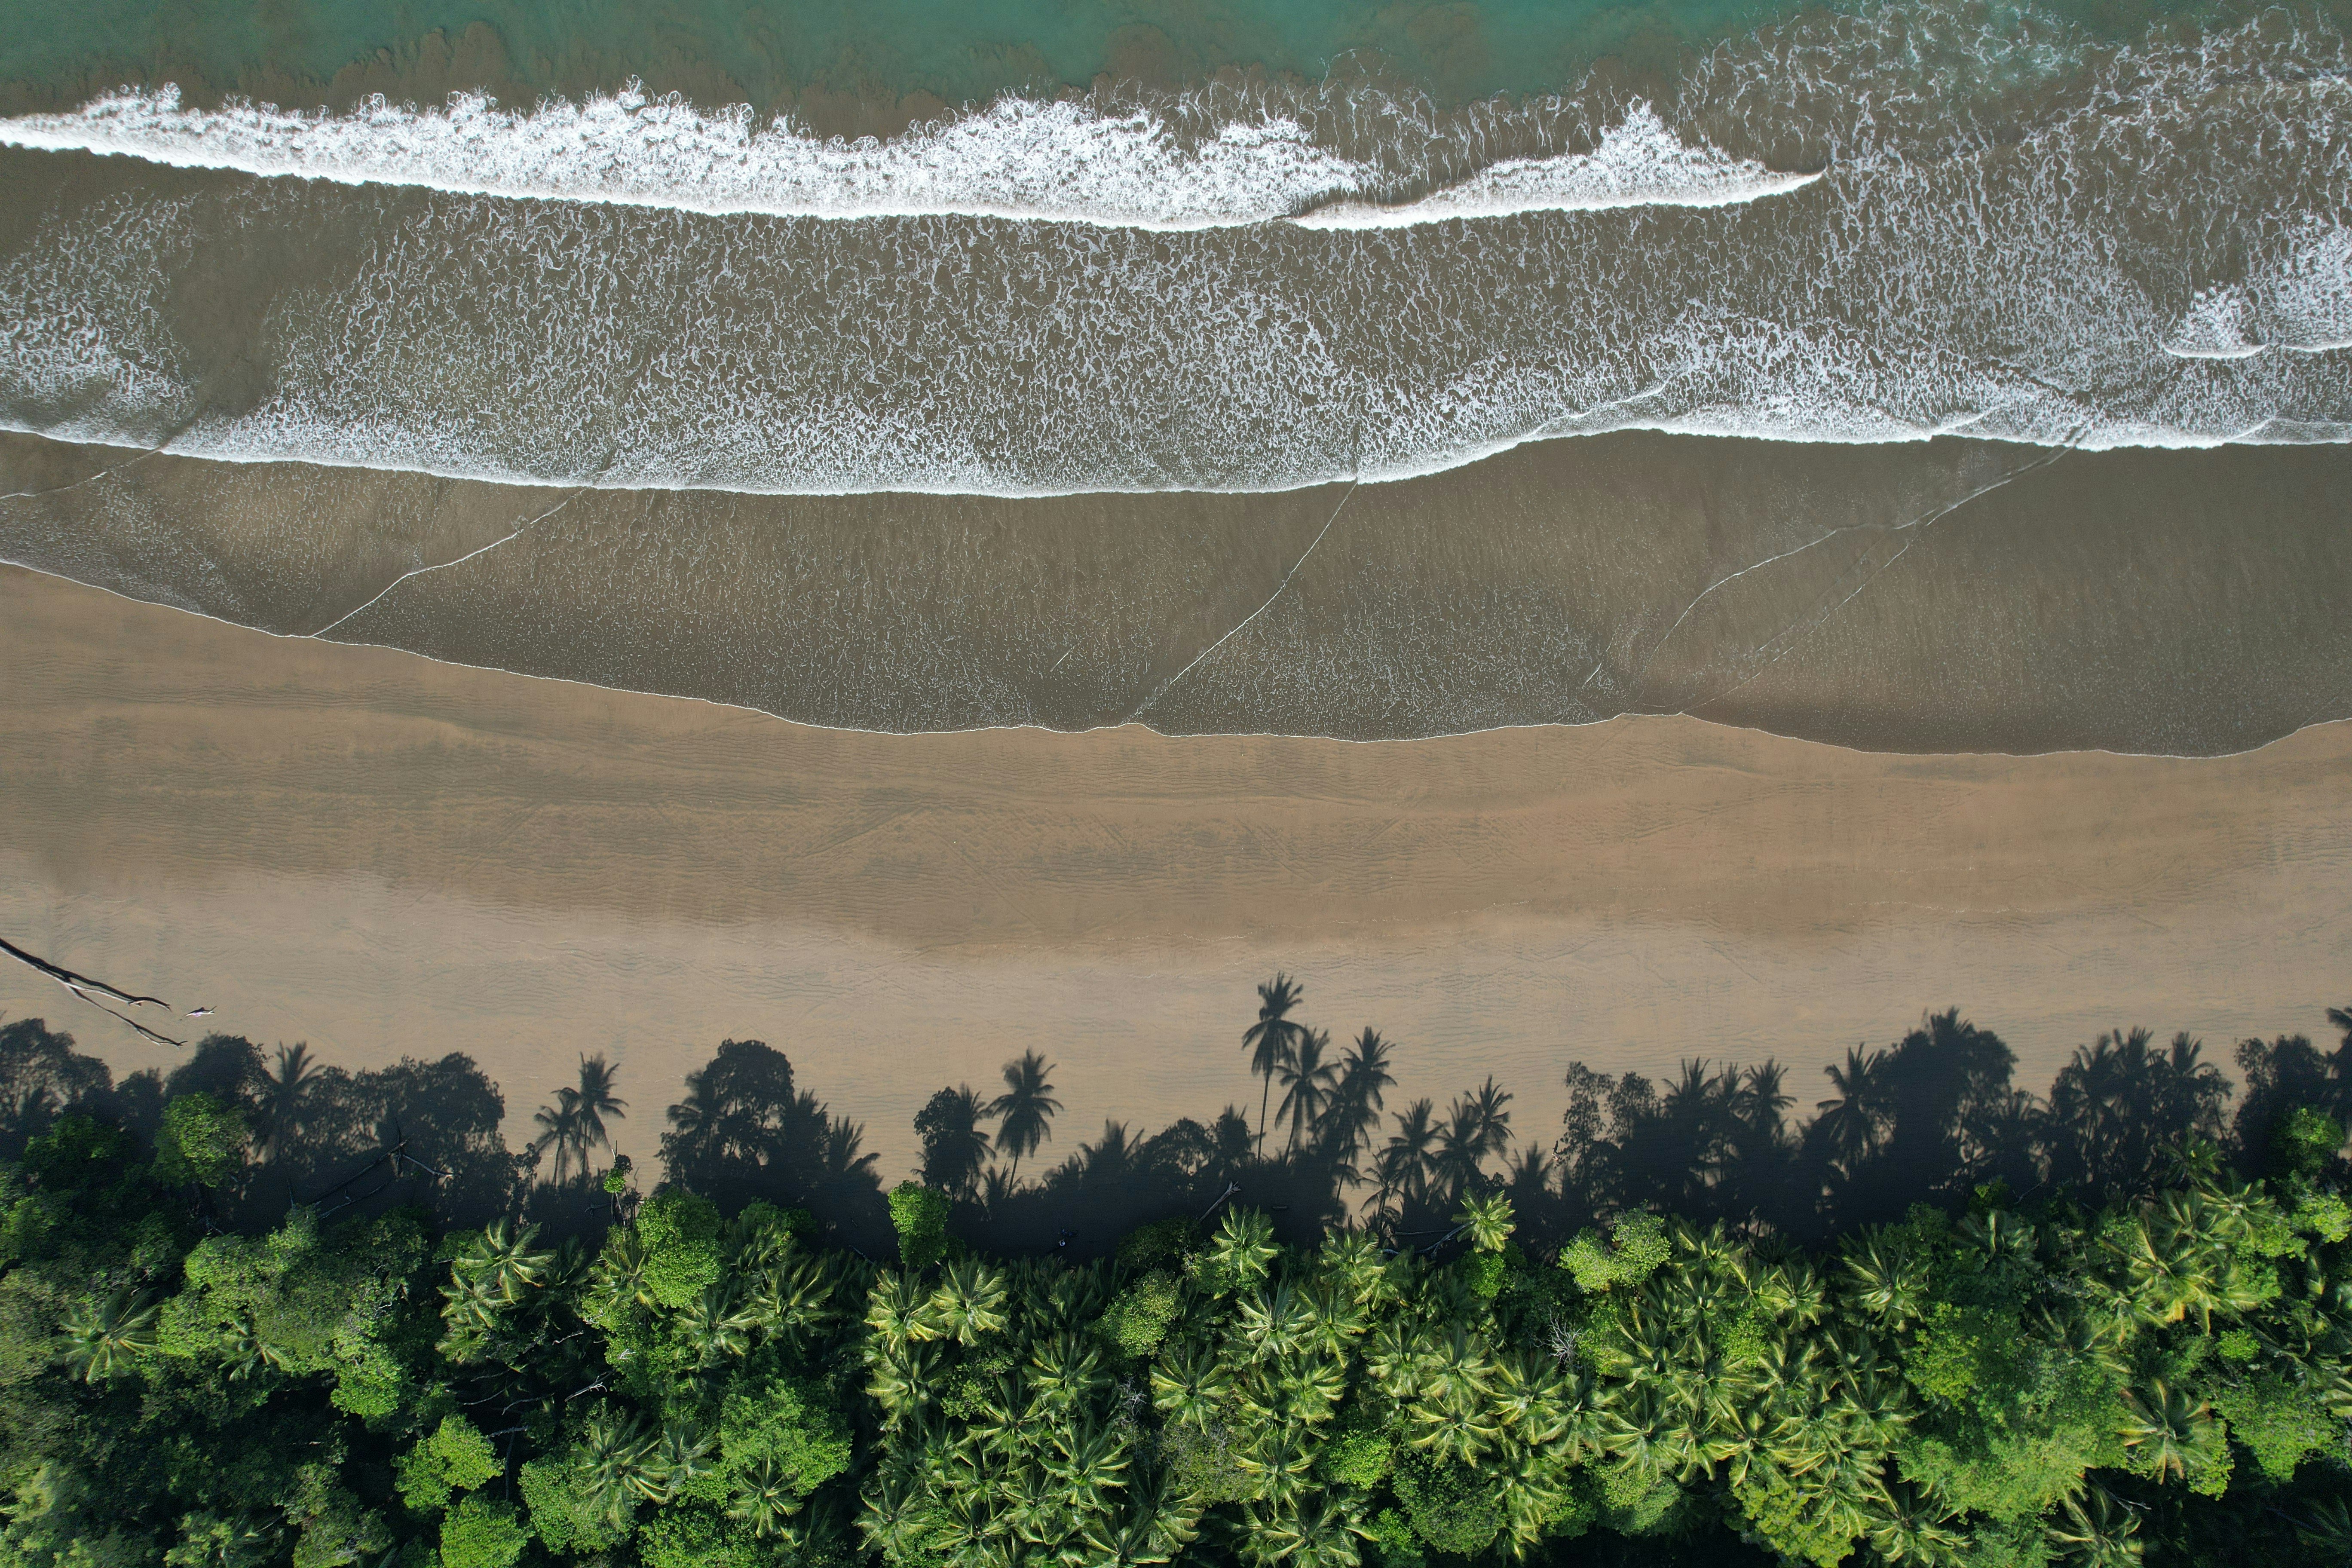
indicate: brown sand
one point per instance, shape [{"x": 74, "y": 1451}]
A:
[{"x": 382, "y": 854}]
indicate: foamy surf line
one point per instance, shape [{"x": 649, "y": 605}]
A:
[
  {"x": 225, "y": 448},
  {"x": 1064, "y": 162}
]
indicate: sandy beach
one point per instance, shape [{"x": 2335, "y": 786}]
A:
[{"x": 382, "y": 854}]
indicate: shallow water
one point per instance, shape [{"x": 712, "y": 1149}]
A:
[{"x": 1942, "y": 597}]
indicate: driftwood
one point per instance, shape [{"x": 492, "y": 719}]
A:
[{"x": 82, "y": 985}]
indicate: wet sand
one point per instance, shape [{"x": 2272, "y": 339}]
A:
[
  {"x": 1934, "y": 597},
  {"x": 382, "y": 854}
]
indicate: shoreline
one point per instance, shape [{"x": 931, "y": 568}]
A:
[{"x": 1952, "y": 597}]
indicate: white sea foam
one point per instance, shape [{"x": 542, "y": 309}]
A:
[
  {"x": 1067, "y": 160},
  {"x": 2303, "y": 303},
  {"x": 1639, "y": 162},
  {"x": 2216, "y": 326},
  {"x": 2124, "y": 261},
  {"x": 2306, "y": 302}
]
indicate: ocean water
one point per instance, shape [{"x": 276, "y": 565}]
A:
[
  {"x": 966, "y": 52},
  {"x": 1397, "y": 246}
]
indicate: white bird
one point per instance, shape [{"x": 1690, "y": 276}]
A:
[{"x": 200, "y": 1012}]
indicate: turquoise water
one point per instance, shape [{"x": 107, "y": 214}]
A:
[{"x": 962, "y": 50}]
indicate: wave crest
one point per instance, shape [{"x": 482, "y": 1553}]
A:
[{"x": 1128, "y": 165}]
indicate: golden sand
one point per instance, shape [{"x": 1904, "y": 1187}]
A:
[{"x": 382, "y": 854}]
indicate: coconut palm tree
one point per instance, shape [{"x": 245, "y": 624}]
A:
[
  {"x": 104, "y": 1335},
  {"x": 967, "y": 1305},
  {"x": 897, "y": 1309},
  {"x": 2174, "y": 1432},
  {"x": 1307, "y": 1083},
  {"x": 680, "y": 1456},
  {"x": 1243, "y": 1249},
  {"x": 902, "y": 1380},
  {"x": 613, "y": 1448},
  {"x": 1486, "y": 1220},
  {"x": 1086, "y": 1460},
  {"x": 1065, "y": 1370},
  {"x": 2096, "y": 1531},
  {"x": 763, "y": 1496},
  {"x": 1191, "y": 1386},
  {"x": 502, "y": 1260},
  {"x": 716, "y": 1327},
  {"x": 794, "y": 1298},
  {"x": 1273, "y": 1040},
  {"x": 1320, "y": 1534},
  {"x": 1354, "y": 1260},
  {"x": 1027, "y": 1109}
]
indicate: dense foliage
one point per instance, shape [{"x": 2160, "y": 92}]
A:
[{"x": 2147, "y": 1357}]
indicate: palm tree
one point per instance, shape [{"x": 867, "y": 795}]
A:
[
  {"x": 1273, "y": 1040},
  {"x": 897, "y": 1309},
  {"x": 682, "y": 1455},
  {"x": 1190, "y": 1387},
  {"x": 615, "y": 1447},
  {"x": 2173, "y": 1431},
  {"x": 1488, "y": 1221},
  {"x": 967, "y": 1304},
  {"x": 1243, "y": 1248},
  {"x": 715, "y": 1327},
  {"x": 501, "y": 1261},
  {"x": 2097, "y": 1532},
  {"x": 103, "y": 1334},
  {"x": 1307, "y": 1082},
  {"x": 2326, "y": 1528},
  {"x": 763, "y": 1496},
  {"x": 1026, "y": 1107}
]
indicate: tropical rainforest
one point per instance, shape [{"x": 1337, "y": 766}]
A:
[{"x": 264, "y": 1311}]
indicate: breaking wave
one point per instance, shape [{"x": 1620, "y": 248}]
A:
[
  {"x": 1182, "y": 165},
  {"x": 2015, "y": 236}
]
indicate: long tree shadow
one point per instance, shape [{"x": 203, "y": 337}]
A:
[
  {"x": 1931, "y": 1119},
  {"x": 420, "y": 1133},
  {"x": 744, "y": 1132},
  {"x": 1934, "y": 1119},
  {"x": 42, "y": 1078}
]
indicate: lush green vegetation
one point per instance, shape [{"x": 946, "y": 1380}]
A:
[{"x": 2110, "y": 1325}]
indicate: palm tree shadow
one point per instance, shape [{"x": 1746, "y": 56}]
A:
[{"x": 745, "y": 1132}]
